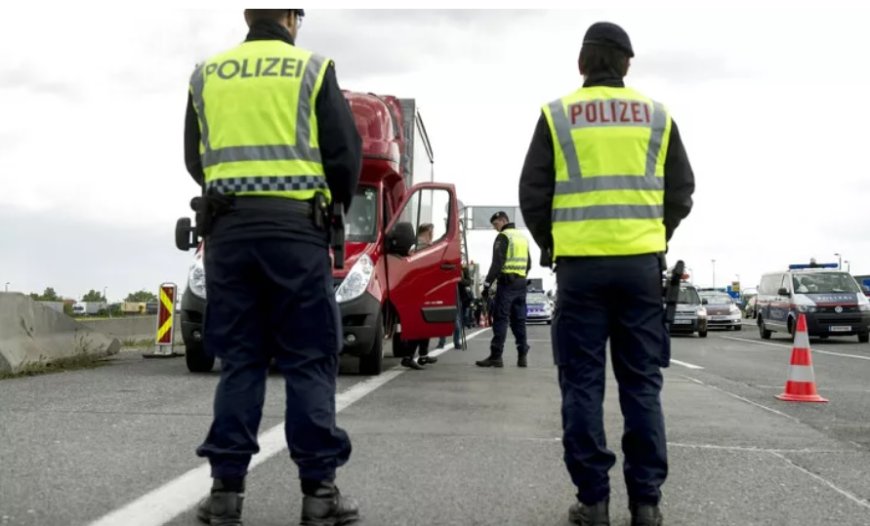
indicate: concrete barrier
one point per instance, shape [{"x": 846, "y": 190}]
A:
[
  {"x": 33, "y": 336},
  {"x": 131, "y": 328}
]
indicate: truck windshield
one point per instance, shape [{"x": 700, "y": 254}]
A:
[
  {"x": 361, "y": 222},
  {"x": 824, "y": 283}
]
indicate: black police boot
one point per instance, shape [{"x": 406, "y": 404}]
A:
[
  {"x": 490, "y": 362},
  {"x": 522, "y": 362},
  {"x": 325, "y": 506},
  {"x": 645, "y": 514},
  {"x": 223, "y": 507},
  {"x": 412, "y": 363},
  {"x": 590, "y": 515},
  {"x": 427, "y": 360}
]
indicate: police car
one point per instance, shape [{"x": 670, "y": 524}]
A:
[
  {"x": 691, "y": 315},
  {"x": 538, "y": 307},
  {"x": 831, "y": 300}
]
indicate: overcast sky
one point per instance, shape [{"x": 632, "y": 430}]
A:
[{"x": 772, "y": 107}]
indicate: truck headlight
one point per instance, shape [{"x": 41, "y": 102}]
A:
[
  {"x": 196, "y": 276},
  {"x": 806, "y": 308},
  {"x": 357, "y": 280},
  {"x": 864, "y": 307},
  {"x": 702, "y": 312}
]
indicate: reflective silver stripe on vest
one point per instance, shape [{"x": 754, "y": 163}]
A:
[
  {"x": 197, "y": 83},
  {"x": 584, "y": 213},
  {"x": 656, "y": 138},
  {"x": 272, "y": 152},
  {"x": 301, "y": 151},
  {"x": 566, "y": 142},
  {"x": 609, "y": 182},
  {"x": 268, "y": 183}
]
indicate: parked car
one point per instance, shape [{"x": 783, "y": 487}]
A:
[
  {"x": 538, "y": 308},
  {"x": 722, "y": 311},
  {"x": 691, "y": 316}
]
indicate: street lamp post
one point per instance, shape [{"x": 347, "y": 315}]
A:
[
  {"x": 6, "y": 287},
  {"x": 848, "y": 266},
  {"x": 839, "y": 261},
  {"x": 714, "y": 272}
]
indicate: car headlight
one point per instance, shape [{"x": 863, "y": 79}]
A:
[
  {"x": 357, "y": 280},
  {"x": 806, "y": 308},
  {"x": 196, "y": 276}
]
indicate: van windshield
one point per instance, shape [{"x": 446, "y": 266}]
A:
[
  {"x": 824, "y": 283},
  {"x": 361, "y": 222}
]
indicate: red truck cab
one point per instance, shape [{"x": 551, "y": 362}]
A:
[{"x": 390, "y": 287}]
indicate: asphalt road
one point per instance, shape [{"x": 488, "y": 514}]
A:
[{"x": 452, "y": 445}]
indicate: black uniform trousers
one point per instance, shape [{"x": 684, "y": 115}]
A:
[
  {"x": 509, "y": 309},
  {"x": 273, "y": 299},
  {"x": 619, "y": 298}
]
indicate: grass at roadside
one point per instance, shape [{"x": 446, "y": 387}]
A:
[{"x": 71, "y": 363}]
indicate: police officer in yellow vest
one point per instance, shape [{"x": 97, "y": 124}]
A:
[
  {"x": 606, "y": 182},
  {"x": 510, "y": 266},
  {"x": 269, "y": 134}
]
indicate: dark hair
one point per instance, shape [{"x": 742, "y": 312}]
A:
[
  {"x": 272, "y": 15},
  {"x": 602, "y": 59},
  {"x": 499, "y": 215}
]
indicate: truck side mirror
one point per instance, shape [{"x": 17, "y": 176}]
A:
[
  {"x": 783, "y": 291},
  {"x": 400, "y": 239},
  {"x": 185, "y": 234}
]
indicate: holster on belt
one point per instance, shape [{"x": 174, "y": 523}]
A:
[{"x": 211, "y": 205}]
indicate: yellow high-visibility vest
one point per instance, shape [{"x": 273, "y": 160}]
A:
[
  {"x": 517, "y": 253},
  {"x": 609, "y": 150},
  {"x": 255, "y": 105}
]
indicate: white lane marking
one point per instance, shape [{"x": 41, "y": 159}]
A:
[
  {"x": 686, "y": 364},
  {"x": 742, "y": 399},
  {"x": 161, "y": 505},
  {"x": 851, "y": 496},
  {"x": 752, "y": 449},
  {"x": 782, "y": 346}
]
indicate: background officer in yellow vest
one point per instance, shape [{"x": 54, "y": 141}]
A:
[
  {"x": 606, "y": 182},
  {"x": 269, "y": 134},
  {"x": 510, "y": 266}
]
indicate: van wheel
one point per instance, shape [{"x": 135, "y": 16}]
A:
[
  {"x": 702, "y": 334},
  {"x": 198, "y": 361},
  {"x": 372, "y": 363},
  {"x": 765, "y": 334},
  {"x": 864, "y": 337}
]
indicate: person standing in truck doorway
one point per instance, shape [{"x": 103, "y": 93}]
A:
[
  {"x": 419, "y": 349},
  {"x": 511, "y": 262},
  {"x": 606, "y": 181},
  {"x": 272, "y": 141}
]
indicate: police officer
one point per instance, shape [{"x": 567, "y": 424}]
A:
[
  {"x": 269, "y": 135},
  {"x": 606, "y": 181},
  {"x": 510, "y": 265}
]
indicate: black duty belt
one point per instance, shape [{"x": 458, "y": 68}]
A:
[{"x": 274, "y": 204}]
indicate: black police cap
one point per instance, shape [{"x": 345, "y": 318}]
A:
[
  {"x": 299, "y": 12},
  {"x": 501, "y": 214},
  {"x": 610, "y": 35}
]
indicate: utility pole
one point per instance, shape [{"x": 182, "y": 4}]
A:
[{"x": 714, "y": 272}]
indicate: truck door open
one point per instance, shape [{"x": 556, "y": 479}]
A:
[{"x": 423, "y": 279}]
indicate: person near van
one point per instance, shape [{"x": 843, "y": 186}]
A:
[
  {"x": 419, "y": 349},
  {"x": 251, "y": 115},
  {"x": 510, "y": 266},
  {"x": 606, "y": 181}
]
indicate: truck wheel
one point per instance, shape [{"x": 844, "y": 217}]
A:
[
  {"x": 372, "y": 363},
  {"x": 864, "y": 337},
  {"x": 198, "y": 361},
  {"x": 765, "y": 334}
]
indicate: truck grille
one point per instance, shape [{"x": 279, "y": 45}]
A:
[{"x": 836, "y": 320}]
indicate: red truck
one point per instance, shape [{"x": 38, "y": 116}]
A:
[{"x": 389, "y": 288}]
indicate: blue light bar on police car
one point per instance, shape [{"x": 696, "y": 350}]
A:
[{"x": 798, "y": 266}]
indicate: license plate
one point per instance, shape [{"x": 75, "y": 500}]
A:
[
  {"x": 682, "y": 322},
  {"x": 841, "y": 328}
]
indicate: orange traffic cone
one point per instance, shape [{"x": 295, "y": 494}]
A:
[{"x": 801, "y": 383}]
